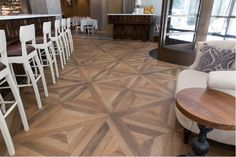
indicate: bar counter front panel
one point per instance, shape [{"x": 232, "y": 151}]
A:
[
  {"x": 11, "y": 24},
  {"x": 128, "y": 26}
]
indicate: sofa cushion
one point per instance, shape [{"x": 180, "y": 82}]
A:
[
  {"x": 190, "y": 79},
  {"x": 214, "y": 59}
]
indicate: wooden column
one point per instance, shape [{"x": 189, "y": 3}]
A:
[{"x": 204, "y": 20}]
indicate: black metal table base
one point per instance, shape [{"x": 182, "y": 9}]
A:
[{"x": 200, "y": 145}]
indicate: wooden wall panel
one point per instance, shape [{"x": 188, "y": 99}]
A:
[{"x": 79, "y": 8}]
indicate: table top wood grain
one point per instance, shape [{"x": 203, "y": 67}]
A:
[{"x": 208, "y": 107}]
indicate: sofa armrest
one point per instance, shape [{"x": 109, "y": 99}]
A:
[{"x": 223, "y": 81}]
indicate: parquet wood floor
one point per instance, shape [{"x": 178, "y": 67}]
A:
[{"x": 111, "y": 99}]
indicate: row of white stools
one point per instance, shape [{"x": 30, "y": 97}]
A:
[{"x": 34, "y": 53}]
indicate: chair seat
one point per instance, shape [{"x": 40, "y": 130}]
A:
[
  {"x": 39, "y": 40},
  {"x": 15, "y": 50},
  {"x": 2, "y": 66}
]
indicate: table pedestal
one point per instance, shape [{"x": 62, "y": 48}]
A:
[{"x": 200, "y": 144}]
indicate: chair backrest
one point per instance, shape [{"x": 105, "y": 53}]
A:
[
  {"x": 68, "y": 24},
  {"x": 46, "y": 31},
  {"x": 3, "y": 48},
  {"x": 57, "y": 26},
  {"x": 47, "y": 27},
  {"x": 27, "y": 35},
  {"x": 63, "y": 25}
]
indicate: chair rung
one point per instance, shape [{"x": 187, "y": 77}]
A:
[
  {"x": 10, "y": 109},
  {"x": 24, "y": 85},
  {"x": 7, "y": 102},
  {"x": 38, "y": 78},
  {"x": 3, "y": 81}
]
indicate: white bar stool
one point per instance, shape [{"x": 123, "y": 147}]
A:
[
  {"x": 68, "y": 31},
  {"x": 26, "y": 55},
  {"x": 56, "y": 38},
  {"x": 46, "y": 49},
  {"x": 6, "y": 76},
  {"x": 65, "y": 38}
]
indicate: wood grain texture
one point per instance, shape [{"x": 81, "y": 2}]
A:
[
  {"x": 112, "y": 99},
  {"x": 131, "y": 27},
  {"x": 208, "y": 107}
]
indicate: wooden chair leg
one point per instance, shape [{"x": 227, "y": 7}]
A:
[
  {"x": 34, "y": 83},
  {"x": 3, "y": 106},
  {"x": 55, "y": 60},
  {"x": 60, "y": 53},
  {"x": 49, "y": 59},
  {"x": 17, "y": 97},
  {"x": 60, "y": 41},
  {"x": 45, "y": 88}
]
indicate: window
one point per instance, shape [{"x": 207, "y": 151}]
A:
[
  {"x": 222, "y": 24},
  {"x": 182, "y": 19}
]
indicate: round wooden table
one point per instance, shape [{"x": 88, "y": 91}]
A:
[{"x": 210, "y": 109}]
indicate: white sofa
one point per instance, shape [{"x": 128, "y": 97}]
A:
[{"x": 219, "y": 80}]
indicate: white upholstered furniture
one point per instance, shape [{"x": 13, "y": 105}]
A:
[{"x": 219, "y": 80}]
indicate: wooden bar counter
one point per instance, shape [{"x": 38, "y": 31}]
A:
[
  {"x": 11, "y": 24},
  {"x": 131, "y": 26}
]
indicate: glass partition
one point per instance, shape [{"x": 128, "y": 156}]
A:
[{"x": 182, "y": 20}]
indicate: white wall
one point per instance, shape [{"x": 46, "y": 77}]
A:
[
  {"x": 38, "y": 6},
  {"x": 45, "y": 6},
  {"x": 156, "y": 3},
  {"x": 54, "y": 6}
]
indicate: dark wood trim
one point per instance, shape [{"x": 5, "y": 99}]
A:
[{"x": 135, "y": 27}]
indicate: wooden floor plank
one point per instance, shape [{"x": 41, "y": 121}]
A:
[{"x": 112, "y": 99}]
